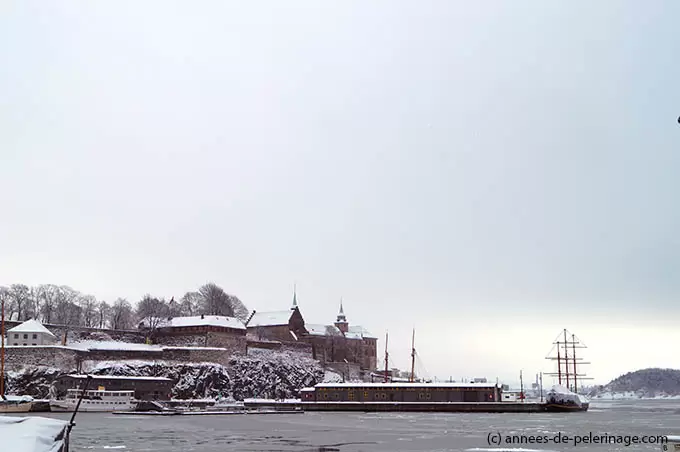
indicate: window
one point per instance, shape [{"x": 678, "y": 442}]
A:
[
  {"x": 33, "y": 344},
  {"x": 35, "y": 336},
  {"x": 16, "y": 336},
  {"x": 25, "y": 336},
  {"x": 24, "y": 345}
]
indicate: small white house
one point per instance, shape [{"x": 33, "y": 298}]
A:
[
  {"x": 31, "y": 332},
  {"x": 513, "y": 396}
]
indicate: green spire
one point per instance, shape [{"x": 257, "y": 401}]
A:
[{"x": 295, "y": 305}]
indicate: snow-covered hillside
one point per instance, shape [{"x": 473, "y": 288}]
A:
[
  {"x": 264, "y": 374},
  {"x": 653, "y": 383}
]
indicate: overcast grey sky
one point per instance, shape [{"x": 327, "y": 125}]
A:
[{"x": 488, "y": 172}]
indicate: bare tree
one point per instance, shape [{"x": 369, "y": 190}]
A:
[
  {"x": 4, "y": 295},
  {"x": 240, "y": 310},
  {"x": 103, "y": 313},
  {"x": 122, "y": 316},
  {"x": 67, "y": 312},
  {"x": 214, "y": 301},
  {"x": 152, "y": 312},
  {"x": 89, "y": 304},
  {"x": 47, "y": 300},
  {"x": 19, "y": 296},
  {"x": 174, "y": 308},
  {"x": 190, "y": 304},
  {"x": 32, "y": 308}
]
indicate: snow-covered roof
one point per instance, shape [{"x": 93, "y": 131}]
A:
[
  {"x": 406, "y": 385},
  {"x": 117, "y": 377},
  {"x": 316, "y": 329},
  {"x": 197, "y": 320},
  {"x": 31, "y": 326},
  {"x": 271, "y": 318},
  {"x": 32, "y": 434},
  {"x": 351, "y": 335},
  {"x": 129, "y": 346},
  {"x": 361, "y": 331}
]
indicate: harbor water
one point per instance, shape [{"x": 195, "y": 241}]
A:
[{"x": 349, "y": 432}]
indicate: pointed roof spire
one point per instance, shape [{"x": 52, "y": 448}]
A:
[
  {"x": 295, "y": 305},
  {"x": 341, "y": 315}
]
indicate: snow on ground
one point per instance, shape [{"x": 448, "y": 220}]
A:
[
  {"x": 332, "y": 377},
  {"x": 13, "y": 398},
  {"x": 118, "y": 345},
  {"x": 114, "y": 345},
  {"x": 631, "y": 395}
]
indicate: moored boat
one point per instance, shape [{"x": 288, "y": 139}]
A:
[
  {"x": 95, "y": 401},
  {"x": 16, "y": 404}
]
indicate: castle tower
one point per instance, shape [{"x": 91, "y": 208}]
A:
[{"x": 341, "y": 321}]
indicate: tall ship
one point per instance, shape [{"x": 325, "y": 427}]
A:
[
  {"x": 569, "y": 373},
  {"x": 412, "y": 396}
]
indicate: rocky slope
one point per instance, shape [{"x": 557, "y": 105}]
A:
[
  {"x": 266, "y": 375},
  {"x": 644, "y": 383}
]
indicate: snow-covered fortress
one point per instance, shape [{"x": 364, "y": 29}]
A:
[
  {"x": 332, "y": 343},
  {"x": 204, "y": 338}
]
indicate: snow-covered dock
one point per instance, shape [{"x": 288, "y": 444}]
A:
[
  {"x": 209, "y": 412},
  {"x": 34, "y": 434}
]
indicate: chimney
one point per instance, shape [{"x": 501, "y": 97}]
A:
[{"x": 202, "y": 316}]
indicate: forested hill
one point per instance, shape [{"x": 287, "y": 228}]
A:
[{"x": 652, "y": 382}]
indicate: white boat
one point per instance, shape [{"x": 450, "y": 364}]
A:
[
  {"x": 16, "y": 404},
  {"x": 95, "y": 400},
  {"x": 34, "y": 434}
]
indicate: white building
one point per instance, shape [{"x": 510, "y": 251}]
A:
[{"x": 31, "y": 332}]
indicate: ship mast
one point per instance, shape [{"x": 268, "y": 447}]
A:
[
  {"x": 566, "y": 358},
  {"x": 573, "y": 354},
  {"x": 564, "y": 354},
  {"x": 559, "y": 365},
  {"x": 387, "y": 357},
  {"x": 413, "y": 356}
]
